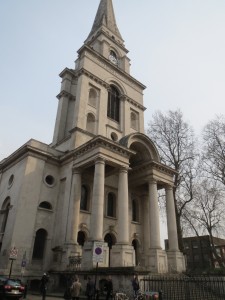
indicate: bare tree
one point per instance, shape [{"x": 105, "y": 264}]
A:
[
  {"x": 214, "y": 149},
  {"x": 176, "y": 142},
  {"x": 207, "y": 214}
]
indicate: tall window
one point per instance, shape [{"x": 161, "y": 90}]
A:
[
  {"x": 111, "y": 205},
  {"x": 39, "y": 244},
  {"x": 113, "y": 110},
  {"x": 135, "y": 211},
  {"x": 4, "y": 215},
  {"x": 84, "y": 198}
]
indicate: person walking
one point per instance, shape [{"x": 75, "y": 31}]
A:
[
  {"x": 109, "y": 288},
  {"x": 90, "y": 289},
  {"x": 135, "y": 285},
  {"x": 75, "y": 289},
  {"x": 43, "y": 285}
]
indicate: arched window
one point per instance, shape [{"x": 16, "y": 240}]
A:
[
  {"x": 110, "y": 240},
  {"x": 135, "y": 211},
  {"x": 113, "y": 110},
  {"x": 45, "y": 205},
  {"x": 39, "y": 244},
  {"x": 84, "y": 198},
  {"x": 81, "y": 237},
  {"x": 92, "y": 100},
  {"x": 90, "y": 123},
  {"x": 111, "y": 205},
  {"x": 4, "y": 213}
]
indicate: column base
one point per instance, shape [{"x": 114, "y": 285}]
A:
[
  {"x": 176, "y": 262},
  {"x": 122, "y": 256},
  {"x": 87, "y": 256},
  {"x": 156, "y": 261}
]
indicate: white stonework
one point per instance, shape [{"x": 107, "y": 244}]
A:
[{"x": 99, "y": 178}]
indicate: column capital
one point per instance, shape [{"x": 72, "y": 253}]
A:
[
  {"x": 152, "y": 181},
  {"x": 168, "y": 187},
  {"x": 124, "y": 169},
  {"x": 76, "y": 170},
  {"x": 100, "y": 160}
]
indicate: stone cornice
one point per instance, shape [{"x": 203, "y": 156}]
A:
[
  {"x": 25, "y": 151},
  {"x": 66, "y": 94},
  {"x": 104, "y": 32},
  {"x": 154, "y": 165},
  {"x": 100, "y": 141},
  {"x": 67, "y": 71},
  {"x": 96, "y": 142},
  {"x": 95, "y": 78},
  {"x": 82, "y": 131},
  {"x": 133, "y": 102}
]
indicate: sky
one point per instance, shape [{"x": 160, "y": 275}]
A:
[{"x": 176, "y": 47}]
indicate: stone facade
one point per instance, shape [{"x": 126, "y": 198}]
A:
[{"x": 97, "y": 181}]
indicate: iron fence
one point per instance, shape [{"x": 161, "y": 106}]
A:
[{"x": 186, "y": 287}]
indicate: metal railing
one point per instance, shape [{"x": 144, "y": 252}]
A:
[{"x": 186, "y": 287}]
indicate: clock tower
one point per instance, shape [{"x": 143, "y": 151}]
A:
[{"x": 99, "y": 97}]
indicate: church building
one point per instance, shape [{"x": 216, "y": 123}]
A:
[{"x": 95, "y": 187}]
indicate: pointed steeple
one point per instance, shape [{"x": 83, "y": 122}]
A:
[{"x": 105, "y": 18}]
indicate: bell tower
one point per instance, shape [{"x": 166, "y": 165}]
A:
[{"x": 99, "y": 97}]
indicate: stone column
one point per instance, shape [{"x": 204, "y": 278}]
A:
[
  {"x": 154, "y": 216},
  {"x": 176, "y": 261},
  {"x": 74, "y": 208},
  {"x": 146, "y": 223},
  {"x": 96, "y": 229},
  {"x": 71, "y": 247},
  {"x": 171, "y": 220},
  {"x": 122, "y": 254},
  {"x": 123, "y": 209}
]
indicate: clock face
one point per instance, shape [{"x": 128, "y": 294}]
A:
[{"x": 113, "y": 58}]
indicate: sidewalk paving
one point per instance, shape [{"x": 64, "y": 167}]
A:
[{"x": 48, "y": 297}]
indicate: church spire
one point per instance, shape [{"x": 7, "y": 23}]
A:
[{"x": 105, "y": 18}]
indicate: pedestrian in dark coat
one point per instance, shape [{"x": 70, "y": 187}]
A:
[
  {"x": 109, "y": 288},
  {"x": 90, "y": 289},
  {"x": 135, "y": 285},
  {"x": 43, "y": 285}
]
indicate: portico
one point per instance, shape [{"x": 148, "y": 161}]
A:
[{"x": 129, "y": 178}]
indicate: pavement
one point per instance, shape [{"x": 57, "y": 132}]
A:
[
  {"x": 48, "y": 297},
  {"x": 55, "y": 296}
]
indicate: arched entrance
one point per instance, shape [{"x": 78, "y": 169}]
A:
[{"x": 110, "y": 239}]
